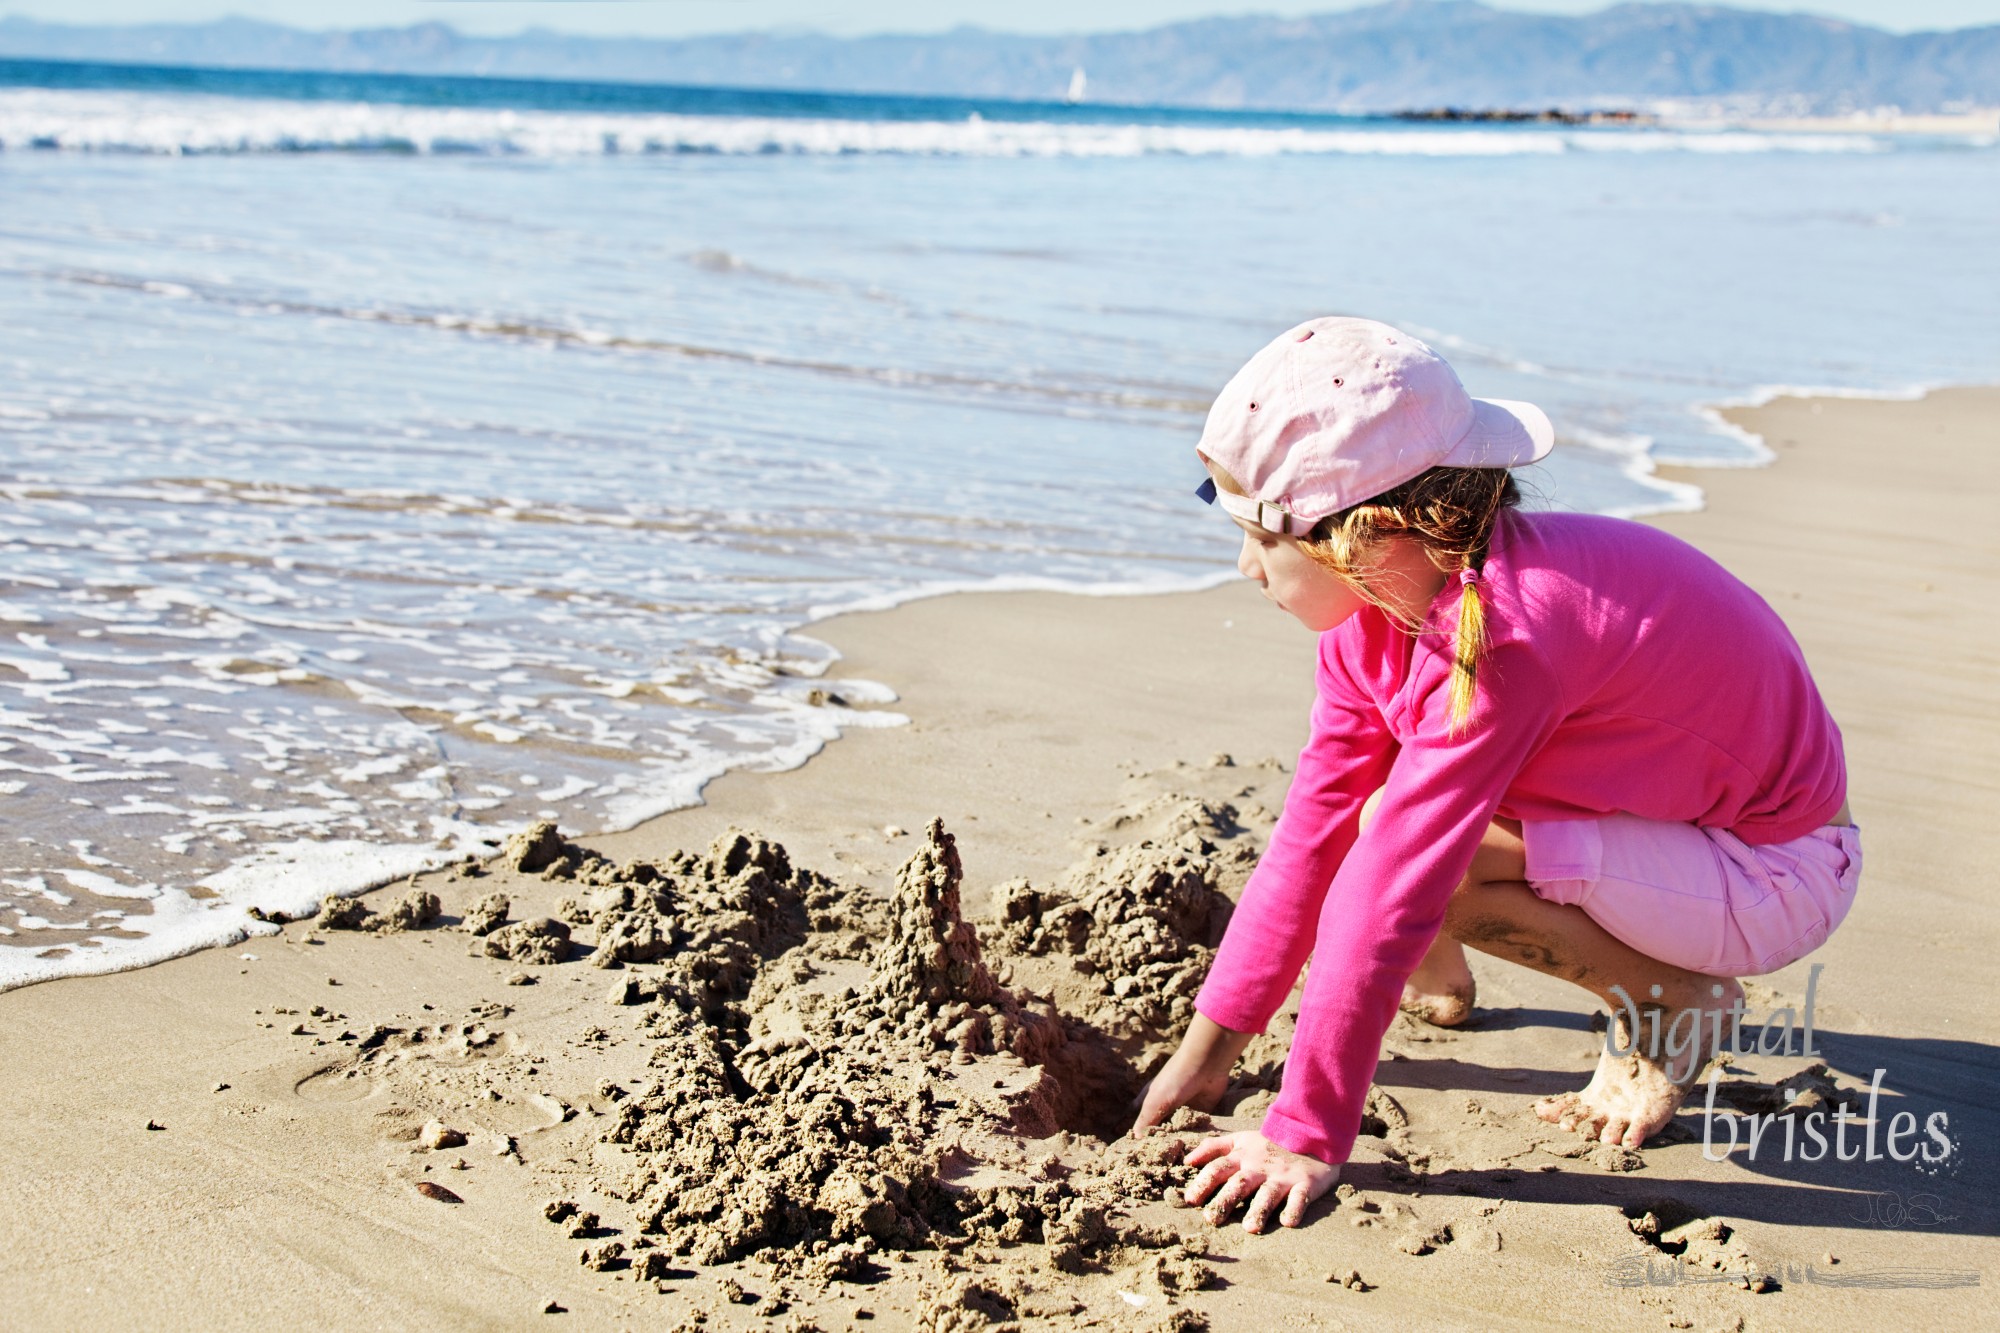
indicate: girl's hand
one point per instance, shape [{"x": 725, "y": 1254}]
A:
[
  {"x": 1197, "y": 1075},
  {"x": 1247, "y": 1165}
]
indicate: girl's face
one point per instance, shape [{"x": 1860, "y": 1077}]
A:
[{"x": 1316, "y": 597}]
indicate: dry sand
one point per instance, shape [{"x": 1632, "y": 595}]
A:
[{"x": 779, "y": 1081}]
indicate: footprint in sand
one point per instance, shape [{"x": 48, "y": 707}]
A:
[
  {"x": 556, "y": 1111},
  {"x": 334, "y": 1083}
]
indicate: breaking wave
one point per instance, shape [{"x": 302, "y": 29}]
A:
[{"x": 175, "y": 125}]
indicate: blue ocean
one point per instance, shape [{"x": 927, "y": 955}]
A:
[{"x": 387, "y": 462}]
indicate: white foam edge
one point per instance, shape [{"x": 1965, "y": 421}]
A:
[
  {"x": 1018, "y": 583},
  {"x": 1764, "y": 394},
  {"x": 1637, "y": 465},
  {"x": 682, "y": 788},
  {"x": 286, "y": 878},
  {"x": 186, "y": 123}
]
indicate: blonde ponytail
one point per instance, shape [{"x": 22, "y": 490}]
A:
[{"x": 1468, "y": 648}]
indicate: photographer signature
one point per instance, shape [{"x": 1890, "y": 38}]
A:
[{"x": 1887, "y": 1208}]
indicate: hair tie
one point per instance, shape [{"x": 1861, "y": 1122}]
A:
[{"x": 1467, "y": 577}]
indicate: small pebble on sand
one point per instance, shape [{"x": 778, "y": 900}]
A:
[{"x": 436, "y": 1134}]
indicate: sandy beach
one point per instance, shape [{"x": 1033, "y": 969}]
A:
[{"x": 689, "y": 1077}]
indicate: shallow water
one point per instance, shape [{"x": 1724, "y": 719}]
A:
[{"x": 361, "y": 505}]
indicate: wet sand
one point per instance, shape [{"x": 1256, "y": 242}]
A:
[{"x": 806, "y": 1084}]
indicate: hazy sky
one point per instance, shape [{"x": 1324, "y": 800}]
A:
[{"x": 675, "y": 17}]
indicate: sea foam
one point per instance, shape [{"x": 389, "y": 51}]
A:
[{"x": 133, "y": 122}]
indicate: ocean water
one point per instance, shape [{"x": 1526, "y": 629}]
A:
[{"x": 385, "y": 463}]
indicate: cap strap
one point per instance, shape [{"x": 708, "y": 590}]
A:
[{"x": 1266, "y": 516}]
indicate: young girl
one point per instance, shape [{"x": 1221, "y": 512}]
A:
[{"x": 1569, "y": 741}]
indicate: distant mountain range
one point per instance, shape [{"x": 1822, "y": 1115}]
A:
[{"x": 1397, "y": 56}]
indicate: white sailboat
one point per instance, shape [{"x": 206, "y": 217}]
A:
[{"x": 1077, "y": 85}]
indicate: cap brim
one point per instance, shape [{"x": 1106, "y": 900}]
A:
[{"x": 1503, "y": 434}]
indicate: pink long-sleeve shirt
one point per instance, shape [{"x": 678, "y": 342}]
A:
[{"x": 1626, "y": 671}]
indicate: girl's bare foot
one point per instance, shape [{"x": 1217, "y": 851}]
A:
[
  {"x": 1441, "y": 990},
  {"x": 1634, "y": 1096}
]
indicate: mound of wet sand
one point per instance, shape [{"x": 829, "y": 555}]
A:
[{"x": 840, "y": 1077}]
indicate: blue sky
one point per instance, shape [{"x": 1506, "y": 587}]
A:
[{"x": 677, "y": 17}]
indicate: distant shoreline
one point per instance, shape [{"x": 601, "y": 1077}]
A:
[{"x": 1452, "y": 115}]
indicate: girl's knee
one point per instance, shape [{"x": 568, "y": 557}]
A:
[{"x": 1501, "y": 857}]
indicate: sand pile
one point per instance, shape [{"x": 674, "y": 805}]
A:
[
  {"x": 922, "y": 1103},
  {"x": 1678, "y": 1229},
  {"x": 1140, "y": 922}
]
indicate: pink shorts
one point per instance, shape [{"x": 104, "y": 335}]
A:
[{"x": 1699, "y": 898}]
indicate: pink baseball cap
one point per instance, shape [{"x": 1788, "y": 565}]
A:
[{"x": 1339, "y": 410}]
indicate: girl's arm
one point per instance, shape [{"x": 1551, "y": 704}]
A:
[
  {"x": 1346, "y": 757},
  {"x": 1389, "y": 895}
]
